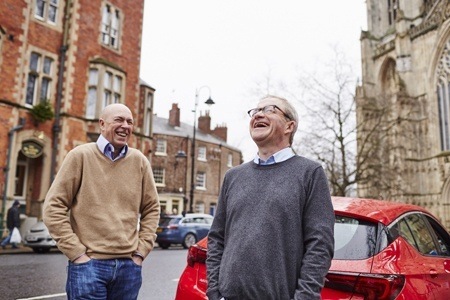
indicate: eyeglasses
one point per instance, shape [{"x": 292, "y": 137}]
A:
[{"x": 267, "y": 110}]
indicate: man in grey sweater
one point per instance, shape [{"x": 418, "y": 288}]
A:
[{"x": 272, "y": 235}]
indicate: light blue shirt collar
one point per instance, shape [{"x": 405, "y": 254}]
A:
[
  {"x": 107, "y": 149},
  {"x": 277, "y": 157}
]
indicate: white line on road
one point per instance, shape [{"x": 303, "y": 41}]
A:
[{"x": 44, "y": 297}]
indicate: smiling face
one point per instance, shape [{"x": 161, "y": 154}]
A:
[
  {"x": 271, "y": 130},
  {"x": 116, "y": 125}
]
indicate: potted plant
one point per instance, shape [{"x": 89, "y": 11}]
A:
[{"x": 43, "y": 111}]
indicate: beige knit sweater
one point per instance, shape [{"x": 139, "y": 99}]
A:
[{"x": 103, "y": 208}]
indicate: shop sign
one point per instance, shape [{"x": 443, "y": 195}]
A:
[{"x": 31, "y": 149}]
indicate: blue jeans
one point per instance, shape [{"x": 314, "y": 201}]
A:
[
  {"x": 100, "y": 279},
  {"x": 7, "y": 240}
]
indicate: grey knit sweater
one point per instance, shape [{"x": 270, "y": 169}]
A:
[{"x": 272, "y": 235}]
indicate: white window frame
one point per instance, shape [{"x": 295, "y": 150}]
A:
[
  {"x": 201, "y": 153},
  {"x": 111, "y": 26},
  {"x": 107, "y": 86},
  {"x": 230, "y": 160},
  {"x": 148, "y": 114},
  {"x": 49, "y": 12},
  {"x": 159, "y": 174},
  {"x": 41, "y": 69},
  {"x": 200, "y": 181},
  {"x": 21, "y": 163},
  {"x": 161, "y": 147}
]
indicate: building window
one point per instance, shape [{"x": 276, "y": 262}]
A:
[
  {"x": 230, "y": 160},
  {"x": 148, "y": 114},
  {"x": 161, "y": 147},
  {"x": 21, "y": 177},
  {"x": 392, "y": 10},
  {"x": 39, "y": 78},
  {"x": 105, "y": 86},
  {"x": 158, "y": 174},
  {"x": 110, "y": 26},
  {"x": 201, "y": 153},
  {"x": 200, "y": 182},
  {"x": 443, "y": 97},
  {"x": 46, "y": 10}
]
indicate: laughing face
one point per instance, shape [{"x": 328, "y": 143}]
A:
[
  {"x": 271, "y": 129},
  {"x": 116, "y": 124}
]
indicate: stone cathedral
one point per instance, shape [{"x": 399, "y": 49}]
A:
[{"x": 403, "y": 104}]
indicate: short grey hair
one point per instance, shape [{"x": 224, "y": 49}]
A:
[{"x": 290, "y": 110}]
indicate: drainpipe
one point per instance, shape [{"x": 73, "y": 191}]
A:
[
  {"x": 56, "y": 125},
  {"x": 8, "y": 158}
]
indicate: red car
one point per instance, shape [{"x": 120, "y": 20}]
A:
[{"x": 383, "y": 250}]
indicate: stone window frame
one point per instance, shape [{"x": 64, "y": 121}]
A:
[
  {"x": 111, "y": 26},
  {"x": 443, "y": 97},
  {"x": 106, "y": 87},
  {"x": 148, "y": 113},
  {"x": 43, "y": 74},
  {"x": 392, "y": 9},
  {"x": 48, "y": 6}
]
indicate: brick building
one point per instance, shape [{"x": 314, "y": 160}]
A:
[
  {"x": 172, "y": 162},
  {"x": 77, "y": 56},
  {"x": 404, "y": 102}
]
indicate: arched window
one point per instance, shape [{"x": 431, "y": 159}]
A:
[{"x": 443, "y": 97}]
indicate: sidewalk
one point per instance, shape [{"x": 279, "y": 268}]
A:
[{"x": 21, "y": 249}]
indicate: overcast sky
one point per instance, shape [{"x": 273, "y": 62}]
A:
[{"x": 231, "y": 45}]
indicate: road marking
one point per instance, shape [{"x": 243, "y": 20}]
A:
[
  {"x": 44, "y": 297},
  {"x": 176, "y": 279}
]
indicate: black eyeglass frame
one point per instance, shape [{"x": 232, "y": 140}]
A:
[{"x": 263, "y": 109}]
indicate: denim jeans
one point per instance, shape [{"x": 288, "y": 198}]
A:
[
  {"x": 7, "y": 240},
  {"x": 101, "y": 279}
]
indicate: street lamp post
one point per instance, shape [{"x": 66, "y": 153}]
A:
[{"x": 193, "y": 180}]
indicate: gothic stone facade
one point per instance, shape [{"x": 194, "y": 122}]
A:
[
  {"x": 78, "y": 55},
  {"x": 403, "y": 103}
]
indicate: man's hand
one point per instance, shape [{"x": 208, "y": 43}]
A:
[
  {"x": 82, "y": 259},
  {"x": 137, "y": 259}
]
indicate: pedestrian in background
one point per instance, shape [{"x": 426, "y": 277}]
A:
[
  {"x": 272, "y": 234},
  {"x": 109, "y": 190},
  {"x": 12, "y": 221}
]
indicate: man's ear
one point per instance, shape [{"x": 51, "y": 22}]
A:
[
  {"x": 101, "y": 122},
  {"x": 289, "y": 126}
]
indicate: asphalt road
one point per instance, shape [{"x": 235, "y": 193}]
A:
[{"x": 29, "y": 276}]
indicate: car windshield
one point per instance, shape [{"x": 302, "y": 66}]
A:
[
  {"x": 168, "y": 221},
  {"x": 353, "y": 238}
]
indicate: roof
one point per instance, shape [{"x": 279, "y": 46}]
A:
[
  {"x": 161, "y": 126},
  {"x": 383, "y": 211}
]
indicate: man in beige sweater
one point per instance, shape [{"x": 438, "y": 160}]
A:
[{"x": 103, "y": 211}]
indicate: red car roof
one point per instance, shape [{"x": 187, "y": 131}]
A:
[{"x": 383, "y": 211}]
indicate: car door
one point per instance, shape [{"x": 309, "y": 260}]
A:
[
  {"x": 202, "y": 227},
  {"x": 442, "y": 259},
  {"x": 432, "y": 262}
]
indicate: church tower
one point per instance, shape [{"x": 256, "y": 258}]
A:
[{"x": 403, "y": 104}]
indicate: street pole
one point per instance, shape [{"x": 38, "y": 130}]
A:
[{"x": 193, "y": 179}]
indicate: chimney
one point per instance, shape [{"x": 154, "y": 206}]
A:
[
  {"x": 204, "y": 122},
  {"x": 221, "y": 132},
  {"x": 174, "y": 115}
]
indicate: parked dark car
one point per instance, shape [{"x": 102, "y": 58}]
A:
[
  {"x": 383, "y": 250},
  {"x": 38, "y": 238},
  {"x": 185, "y": 230}
]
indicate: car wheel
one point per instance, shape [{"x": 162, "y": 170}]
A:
[
  {"x": 41, "y": 250},
  {"x": 164, "y": 245},
  {"x": 189, "y": 240}
]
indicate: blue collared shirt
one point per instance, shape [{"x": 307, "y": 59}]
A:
[
  {"x": 277, "y": 157},
  {"x": 107, "y": 149}
]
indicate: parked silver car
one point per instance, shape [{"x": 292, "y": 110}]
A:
[{"x": 38, "y": 238}]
